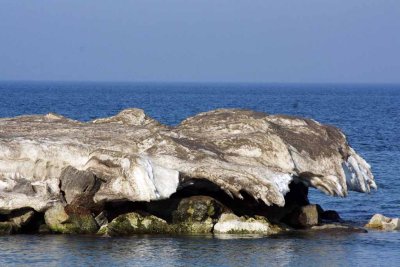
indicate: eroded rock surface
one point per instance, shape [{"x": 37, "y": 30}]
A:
[{"x": 55, "y": 165}]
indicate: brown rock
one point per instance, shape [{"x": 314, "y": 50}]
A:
[{"x": 305, "y": 216}]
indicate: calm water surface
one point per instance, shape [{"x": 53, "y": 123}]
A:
[{"x": 368, "y": 114}]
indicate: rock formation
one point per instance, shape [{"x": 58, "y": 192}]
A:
[{"x": 252, "y": 164}]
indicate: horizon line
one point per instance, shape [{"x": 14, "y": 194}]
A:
[{"x": 203, "y": 82}]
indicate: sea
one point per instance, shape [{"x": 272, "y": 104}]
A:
[{"x": 369, "y": 114}]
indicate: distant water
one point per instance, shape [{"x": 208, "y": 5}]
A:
[{"x": 368, "y": 114}]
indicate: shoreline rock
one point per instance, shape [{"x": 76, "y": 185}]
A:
[
  {"x": 381, "y": 222},
  {"x": 113, "y": 174}
]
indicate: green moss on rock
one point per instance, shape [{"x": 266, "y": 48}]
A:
[
  {"x": 59, "y": 221},
  {"x": 196, "y": 214},
  {"x": 135, "y": 223},
  {"x": 6, "y": 228},
  {"x": 190, "y": 227}
]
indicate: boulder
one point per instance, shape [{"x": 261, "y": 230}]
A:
[
  {"x": 59, "y": 221},
  {"x": 196, "y": 214},
  {"x": 381, "y": 222},
  {"x": 393, "y": 224},
  {"x": 229, "y": 223},
  {"x": 135, "y": 223},
  {"x": 75, "y": 182},
  {"x": 305, "y": 216}
]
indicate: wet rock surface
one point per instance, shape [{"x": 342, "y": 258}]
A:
[{"x": 338, "y": 228}]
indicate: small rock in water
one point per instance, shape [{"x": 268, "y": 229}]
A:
[
  {"x": 379, "y": 221},
  {"x": 393, "y": 224},
  {"x": 338, "y": 228}
]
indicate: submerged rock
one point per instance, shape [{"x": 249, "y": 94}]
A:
[
  {"x": 378, "y": 221},
  {"x": 330, "y": 216},
  {"x": 338, "y": 228}
]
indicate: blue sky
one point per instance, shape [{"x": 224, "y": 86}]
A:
[{"x": 211, "y": 40}]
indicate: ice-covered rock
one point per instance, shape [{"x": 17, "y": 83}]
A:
[{"x": 131, "y": 157}]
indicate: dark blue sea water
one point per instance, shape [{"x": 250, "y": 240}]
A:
[{"x": 368, "y": 114}]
